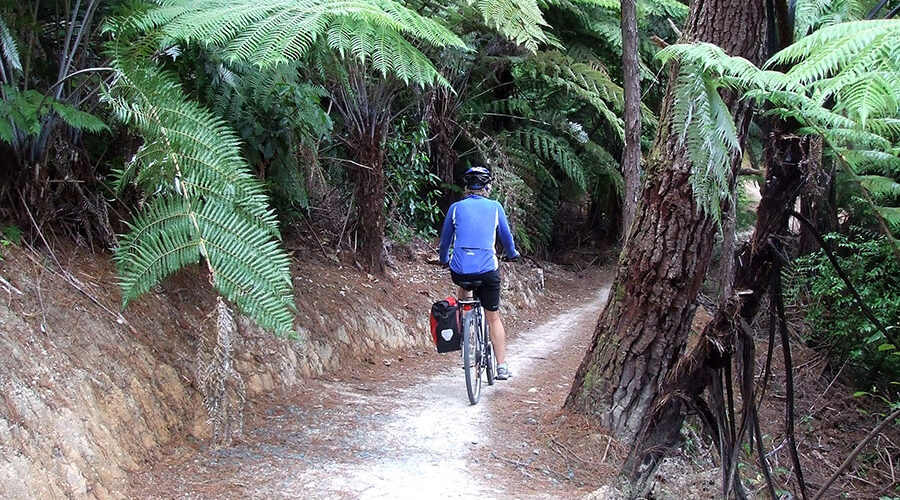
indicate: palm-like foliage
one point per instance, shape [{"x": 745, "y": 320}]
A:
[
  {"x": 519, "y": 20},
  {"x": 811, "y": 15},
  {"x": 206, "y": 205},
  {"x": 842, "y": 85},
  {"x": 271, "y": 32},
  {"x": 558, "y": 126}
]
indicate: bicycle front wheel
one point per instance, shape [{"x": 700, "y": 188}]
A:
[{"x": 471, "y": 359}]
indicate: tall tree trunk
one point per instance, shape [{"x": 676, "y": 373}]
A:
[
  {"x": 364, "y": 103},
  {"x": 645, "y": 323},
  {"x": 695, "y": 372},
  {"x": 631, "y": 158}
]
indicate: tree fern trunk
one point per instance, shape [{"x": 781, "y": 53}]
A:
[
  {"x": 443, "y": 157},
  {"x": 370, "y": 193},
  {"x": 645, "y": 323},
  {"x": 817, "y": 202}
]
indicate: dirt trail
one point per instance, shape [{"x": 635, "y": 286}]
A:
[{"x": 399, "y": 428}]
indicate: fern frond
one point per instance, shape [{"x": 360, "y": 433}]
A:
[
  {"x": 384, "y": 48},
  {"x": 23, "y": 111},
  {"x": 588, "y": 83},
  {"x": 810, "y": 15},
  {"x": 872, "y": 95},
  {"x": 869, "y": 161},
  {"x": 604, "y": 170},
  {"x": 856, "y": 138},
  {"x": 8, "y": 47},
  {"x": 551, "y": 148},
  {"x": 247, "y": 266},
  {"x": 891, "y": 216},
  {"x": 704, "y": 125},
  {"x": 76, "y": 118},
  {"x": 271, "y": 32},
  {"x": 889, "y": 128},
  {"x": 678, "y": 11},
  {"x": 879, "y": 186},
  {"x": 205, "y": 202},
  {"x": 519, "y": 20},
  {"x": 847, "y": 48},
  {"x": 734, "y": 72}
]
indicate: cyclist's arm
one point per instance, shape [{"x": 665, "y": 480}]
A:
[
  {"x": 506, "y": 238},
  {"x": 447, "y": 237}
]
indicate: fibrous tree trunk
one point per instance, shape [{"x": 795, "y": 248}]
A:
[
  {"x": 370, "y": 193},
  {"x": 817, "y": 202},
  {"x": 645, "y": 323},
  {"x": 364, "y": 103},
  {"x": 631, "y": 158}
]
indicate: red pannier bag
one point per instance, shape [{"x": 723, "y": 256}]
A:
[{"x": 445, "y": 325}]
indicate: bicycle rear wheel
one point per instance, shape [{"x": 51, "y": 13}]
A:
[{"x": 471, "y": 358}]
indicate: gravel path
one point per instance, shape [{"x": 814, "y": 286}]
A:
[{"x": 401, "y": 428}]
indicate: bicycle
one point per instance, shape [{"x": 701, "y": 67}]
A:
[{"x": 478, "y": 351}]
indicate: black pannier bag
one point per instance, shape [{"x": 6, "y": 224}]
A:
[{"x": 445, "y": 325}]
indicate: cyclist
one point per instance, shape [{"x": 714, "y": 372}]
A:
[{"x": 472, "y": 226}]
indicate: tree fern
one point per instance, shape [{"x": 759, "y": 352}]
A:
[
  {"x": 703, "y": 123},
  {"x": 841, "y": 86},
  {"x": 269, "y": 32},
  {"x": 205, "y": 205},
  {"x": 846, "y": 50},
  {"x": 592, "y": 85}
]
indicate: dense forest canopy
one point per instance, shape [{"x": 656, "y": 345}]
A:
[{"x": 202, "y": 131}]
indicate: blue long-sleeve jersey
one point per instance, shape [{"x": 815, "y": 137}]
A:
[{"x": 472, "y": 226}]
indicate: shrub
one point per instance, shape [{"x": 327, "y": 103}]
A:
[{"x": 834, "y": 317}]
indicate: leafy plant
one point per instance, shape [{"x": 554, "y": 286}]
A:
[
  {"x": 835, "y": 319},
  {"x": 412, "y": 201},
  {"x": 205, "y": 204},
  {"x": 841, "y": 86},
  {"x": 24, "y": 112},
  {"x": 280, "y": 119},
  {"x": 9, "y": 235}
]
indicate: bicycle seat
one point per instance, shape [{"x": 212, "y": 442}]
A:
[{"x": 469, "y": 285}]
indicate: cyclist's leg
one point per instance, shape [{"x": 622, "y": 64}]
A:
[
  {"x": 498, "y": 335},
  {"x": 489, "y": 294}
]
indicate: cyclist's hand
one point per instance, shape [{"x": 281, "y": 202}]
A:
[{"x": 512, "y": 258}]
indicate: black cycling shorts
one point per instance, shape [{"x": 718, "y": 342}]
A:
[{"x": 489, "y": 291}]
